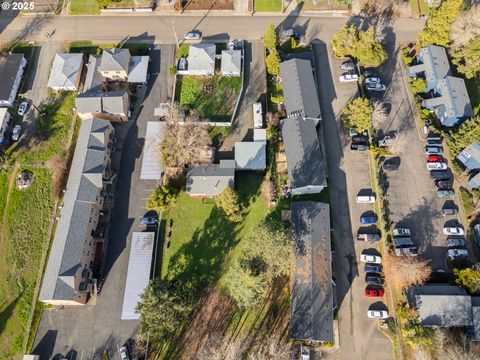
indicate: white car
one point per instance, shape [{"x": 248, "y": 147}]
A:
[
  {"x": 453, "y": 230},
  {"x": 457, "y": 254},
  {"x": 231, "y": 45},
  {"x": 124, "y": 353},
  {"x": 348, "y": 77},
  {"x": 16, "y": 132},
  {"x": 376, "y": 87},
  {"x": 193, "y": 35},
  {"x": 372, "y": 259},
  {"x": 372, "y": 80},
  {"x": 22, "y": 109},
  {"x": 377, "y": 314},
  {"x": 401, "y": 232},
  {"x": 456, "y": 242},
  {"x": 436, "y": 166}
]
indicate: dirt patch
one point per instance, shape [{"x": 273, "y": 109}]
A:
[{"x": 59, "y": 169}]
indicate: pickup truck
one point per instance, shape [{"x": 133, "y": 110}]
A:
[{"x": 401, "y": 232}]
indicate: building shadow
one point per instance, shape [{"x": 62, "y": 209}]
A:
[{"x": 46, "y": 345}]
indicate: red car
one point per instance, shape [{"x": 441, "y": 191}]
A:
[
  {"x": 435, "y": 158},
  {"x": 371, "y": 292}
]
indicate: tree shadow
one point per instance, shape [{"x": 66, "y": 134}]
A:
[{"x": 7, "y": 312}]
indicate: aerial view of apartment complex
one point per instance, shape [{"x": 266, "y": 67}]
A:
[{"x": 240, "y": 180}]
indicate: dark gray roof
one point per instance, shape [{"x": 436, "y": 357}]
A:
[
  {"x": 79, "y": 199},
  {"x": 302, "y": 149},
  {"x": 301, "y": 97},
  {"x": 93, "y": 79},
  {"x": 115, "y": 60},
  {"x": 9, "y": 65},
  {"x": 443, "y": 306},
  {"x": 455, "y": 95},
  {"x": 476, "y": 321},
  {"x": 210, "y": 179},
  {"x": 312, "y": 291}
]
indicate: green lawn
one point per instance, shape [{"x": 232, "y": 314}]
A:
[
  {"x": 474, "y": 93},
  {"x": 84, "y": 7},
  {"x": 268, "y": 5},
  {"x": 28, "y": 218},
  {"x": 203, "y": 243},
  {"x": 424, "y": 8},
  {"x": 216, "y": 104}
]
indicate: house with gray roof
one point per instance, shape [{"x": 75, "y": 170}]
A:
[
  {"x": 210, "y": 180},
  {"x": 312, "y": 299},
  {"x": 201, "y": 59},
  {"x": 446, "y": 306},
  {"x": 66, "y": 72},
  {"x": 231, "y": 63},
  {"x": 470, "y": 157},
  {"x": 93, "y": 78},
  {"x": 138, "y": 69},
  {"x": 110, "y": 105},
  {"x": 115, "y": 64},
  {"x": 68, "y": 278},
  {"x": 12, "y": 67},
  {"x": 299, "y": 89},
  {"x": 251, "y": 155},
  {"x": 451, "y": 102},
  {"x": 432, "y": 65}
]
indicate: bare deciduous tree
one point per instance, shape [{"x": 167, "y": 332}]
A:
[
  {"x": 271, "y": 348},
  {"x": 405, "y": 271},
  {"x": 184, "y": 144},
  {"x": 379, "y": 114},
  {"x": 465, "y": 28},
  {"x": 399, "y": 144}
]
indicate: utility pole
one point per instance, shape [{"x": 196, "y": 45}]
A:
[{"x": 175, "y": 33}]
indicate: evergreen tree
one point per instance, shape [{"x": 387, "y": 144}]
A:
[
  {"x": 437, "y": 30},
  {"x": 466, "y": 133},
  {"x": 467, "y": 58},
  {"x": 161, "y": 198},
  {"x": 419, "y": 85},
  {"x": 344, "y": 42},
  {"x": 469, "y": 278},
  {"x": 270, "y": 37},
  {"x": 229, "y": 204}
]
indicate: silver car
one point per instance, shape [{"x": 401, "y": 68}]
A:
[
  {"x": 456, "y": 242},
  {"x": 193, "y": 35}
]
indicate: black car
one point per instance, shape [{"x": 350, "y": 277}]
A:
[
  {"x": 373, "y": 268},
  {"x": 444, "y": 184},
  {"x": 440, "y": 175},
  {"x": 373, "y": 279},
  {"x": 391, "y": 165},
  {"x": 359, "y": 147},
  {"x": 360, "y": 139}
]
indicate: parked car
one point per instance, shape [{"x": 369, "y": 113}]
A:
[
  {"x": 440, "y": 175},
  {"x": 434, "y": 158},
  {"x": 16, "y": 132},
  {"x": 365, "y": 199},
  {"x": 456, "y": 242},
  {"x": 368, "y": 237},
  {"x": 406, "y": 250},
  {"x": 448, "y": 211},
  {"x": 347, "y": 65},
  {"x": 453, "y": 230},
  {"x": 124, "y": 353},
  {"x": 434, "y": 142},
  {"x": 433, "y": 150},
  {"x": 22, "y": 109},
  {"x": 436, "y": 166},
  {"x": 373, "y": 259},
  {"x": 372, "y": 80},
  {"x": 373, "y": 279},
  {"x": 434, "y": 137},
  {"x": 444, "y": 184},
  {"x": 377, "y": 314},
  {"x": 445, "y": 193},
  {"x": 387, "y": 140},
  {"x": 391, "y": 164},
  {"x": 373, "y": 268},
  {"x": 193, "y": 35},
  {"x": 370, "y": 218},
  {"x": 348, "y": 77},
  {"x": 369, "y": 72},
  {"x": 231, "y": 45},
  {"x": 376, "y": 87},
  {"x": 359, "y": 147},
  {"x": 401, "y": 232},
  {"x": 453, "y": 254},
  {"x": 182, "y": 64},
  {"x": 360, "y": 139},
  {"x": 399, "y": 242},
  {"x": 148, "y": 220},
  {"x": 374, "y": 292}
]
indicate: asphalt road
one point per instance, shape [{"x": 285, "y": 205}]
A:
[
  {"x": 83, "y": 332},
  {"x": 159, "y": 28}
]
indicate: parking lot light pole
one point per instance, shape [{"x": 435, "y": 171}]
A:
[{"x": 175, "y": 33}]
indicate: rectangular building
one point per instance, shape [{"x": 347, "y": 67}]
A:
[{"x": 12, "y": 67}]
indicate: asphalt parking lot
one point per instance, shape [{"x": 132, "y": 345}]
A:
[
  {"x": 348, "y": 174},
  {"x": 83, "y": 332}
]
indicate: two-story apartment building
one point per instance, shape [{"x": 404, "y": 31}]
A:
[
  {"x": 114, "y": 64},
  {"x": 69, "y": 277}
]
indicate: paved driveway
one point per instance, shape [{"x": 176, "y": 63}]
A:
[
  {"x": 83, "y": 332},
  {"x": 348, "y": 173}
]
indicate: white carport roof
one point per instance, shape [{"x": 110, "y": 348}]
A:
[
  {"x": 151, "y": 167},
  {"x": 138, "y": 69},
  {"x": 138, "y": 274}
]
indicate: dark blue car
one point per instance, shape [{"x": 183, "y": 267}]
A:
[
  {"x": 368, "y": 219},
  {"x": 373, "y": 268}
]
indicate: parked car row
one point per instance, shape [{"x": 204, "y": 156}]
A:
[
  {"x": 359, "y": 142},
  {"x": 435, "y": 163},
  {"x": 403, "y": 243}
]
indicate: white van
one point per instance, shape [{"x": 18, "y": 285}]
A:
[
  {"x": 365, "y": 199},
  {"x": 257, "y": 116}
]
